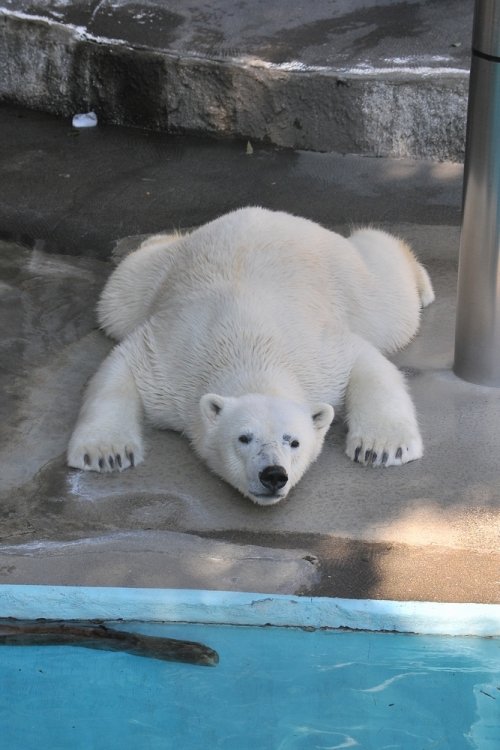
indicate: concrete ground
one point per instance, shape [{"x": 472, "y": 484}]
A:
[
  {"x": 426, "y": 531},
  {"x": 380, "y": 77}
]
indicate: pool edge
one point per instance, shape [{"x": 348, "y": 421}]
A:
[{"x": 238, "y": 608}]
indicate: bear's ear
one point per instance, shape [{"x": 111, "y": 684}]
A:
[
  {"x": 322, "y": 416},
  {"x": 211, "y": 406}
]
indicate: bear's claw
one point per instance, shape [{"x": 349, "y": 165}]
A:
[
  {"x": 376, "y": 452},
  {"x": 102, "y": 457}
]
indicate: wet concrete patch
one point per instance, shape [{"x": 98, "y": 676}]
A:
[
  {"x": 109, "y": 183},
  {"x": 50, "y": 348}
]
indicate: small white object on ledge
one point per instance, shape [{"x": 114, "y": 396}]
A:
[{"x": 85, "y": 120}]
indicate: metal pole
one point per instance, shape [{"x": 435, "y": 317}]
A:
[{"x": 477, "y": 343}]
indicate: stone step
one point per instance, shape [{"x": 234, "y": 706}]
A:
[{"x": 381, "y": 78}]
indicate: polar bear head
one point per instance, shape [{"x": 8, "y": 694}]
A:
[{"x": 262, "y": 445}]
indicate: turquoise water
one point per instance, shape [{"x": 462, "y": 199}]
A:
[{"x": 274, "y": 689}]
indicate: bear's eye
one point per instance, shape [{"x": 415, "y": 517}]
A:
[
  {"x": 244, "y": 438},
  {"x": 294, "y": 444}
]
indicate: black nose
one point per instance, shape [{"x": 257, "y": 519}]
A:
[{"x": 273, "y": 477}]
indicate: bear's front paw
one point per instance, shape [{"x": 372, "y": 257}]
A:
[
  {"x": 384, "y": 450},
  {"x": 102, "y": 454}
]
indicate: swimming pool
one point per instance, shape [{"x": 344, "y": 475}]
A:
[{"x": 278, "y": 687}]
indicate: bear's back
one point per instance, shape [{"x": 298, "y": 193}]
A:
[{"x": 260, "y": 252}]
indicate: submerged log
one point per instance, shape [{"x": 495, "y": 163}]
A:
[{"x": 94, "y": 634}]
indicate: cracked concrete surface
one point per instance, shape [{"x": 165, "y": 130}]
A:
[{"x": 429, "y": 530}]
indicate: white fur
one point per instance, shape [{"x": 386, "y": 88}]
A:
[{"x": 252, "y": 325}]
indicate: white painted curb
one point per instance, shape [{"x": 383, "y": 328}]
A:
[{"x": 221, "y": 607}]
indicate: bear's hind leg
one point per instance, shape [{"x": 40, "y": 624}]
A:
[
  {"x": 383, "y": 429},
  {"x": 107, "y": 436},
  {"x": 127, "y": 298}
]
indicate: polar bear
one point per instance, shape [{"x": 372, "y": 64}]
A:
[{"x": 243, "y": 335}]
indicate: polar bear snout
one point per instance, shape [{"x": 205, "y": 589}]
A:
[{"x": 273, "y": 478}]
